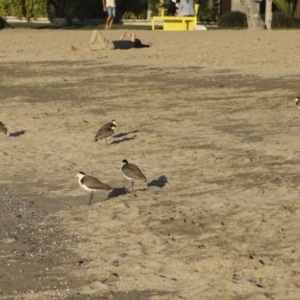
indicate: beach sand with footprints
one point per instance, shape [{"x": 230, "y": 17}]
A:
[{"x": 209, "y": 119}]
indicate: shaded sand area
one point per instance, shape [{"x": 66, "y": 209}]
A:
[{"x": 207, "y": 116}]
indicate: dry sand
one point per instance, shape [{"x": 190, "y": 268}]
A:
[{"x": 208, "y": 117}]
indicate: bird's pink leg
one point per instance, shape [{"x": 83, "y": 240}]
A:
[
  {"x": 130, "y": 186},
  {"x": 91, "y": 197}
]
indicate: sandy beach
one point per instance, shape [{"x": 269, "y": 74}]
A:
[{"x": 209, "y": 118}]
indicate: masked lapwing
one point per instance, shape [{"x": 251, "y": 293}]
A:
[
  {"x": 106, "y": 131},
  {"x": 91, "y": 184},
  {"x": 132, "y": 173},
  {"x": 297, "y": 100},
  {"x": 3, "y": 128}
]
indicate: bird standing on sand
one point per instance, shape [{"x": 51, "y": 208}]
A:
[
  {"x": 106, "y": 131},
  {"x": 132, "y": 173},
  {"x": 297, "y": 100},
  {"x": 3, "y": 128},
  {"x": 91, "y": 184}
]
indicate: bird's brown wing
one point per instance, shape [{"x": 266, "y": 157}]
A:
[
  {"x": 104, "y": 131},
  {"x": 133, "y": 171},
  {"x": 3, "y": 128},
  {"x": 94, "y": 183}
]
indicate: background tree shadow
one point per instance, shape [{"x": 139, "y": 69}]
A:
[
  {"x": 160, "y": 182},
  {"x": 17, "y": 133}
]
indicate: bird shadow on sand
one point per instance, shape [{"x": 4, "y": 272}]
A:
[
  {"x": 123, "y": 140},
  {"x": 160, "y": 182},
  {"x": 17, "y": 133},
  {"x": 124, "y": 134},
  {"x": 116, "y": 192}
]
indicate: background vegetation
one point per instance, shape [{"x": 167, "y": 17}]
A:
[
  {"x": 233, "y": 19},
  {"x": 69, "y": 9},
  {"x": 236, "y": 19},
  {"x": 137, "y": 9},
  {"x": 281, "y": 20}
]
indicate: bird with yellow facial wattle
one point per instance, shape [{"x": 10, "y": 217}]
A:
[
  {"x": 106, "y": 131},
  {"x": 91, "y": 184}
]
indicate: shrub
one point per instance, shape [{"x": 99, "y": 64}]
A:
[
  {"x": 207, "y": 14},
  {"x": 281, "y": 20},
  {"x": 129, "y": 15},
  {"x": 233, "y": 19},
  {"x": 285, "y": 6}
]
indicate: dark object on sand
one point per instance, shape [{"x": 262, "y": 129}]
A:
[
  {"x": 297, "y": 100},
  {"x": 4, "y": 24},
  {"x": 3, "y": 128}
]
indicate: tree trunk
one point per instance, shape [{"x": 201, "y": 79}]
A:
[
  {"x": 149, "y": 11},
  {"x": 69, "y": 19},
  {"x": 253, "y": 18},
  {"x": 67, "y": 10},
  {"x": 64, "y": 8},
  {"x": 297, "y": 10}
]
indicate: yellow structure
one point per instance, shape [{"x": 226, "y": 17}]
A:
[{"x": 171, "y": 23}]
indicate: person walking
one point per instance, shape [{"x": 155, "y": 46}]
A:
[
  {"x": 110, "y": 7},
  {"x": 186, "y": 8}
]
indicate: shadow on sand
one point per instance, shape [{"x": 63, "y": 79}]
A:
[
  {"x": 160, "y": 182},
  {"x": 17, "y": 133},
  {"x": 116, "y": 192},
  {"x": 124, "y": 134},
  {"x": 123, "y": 140}
]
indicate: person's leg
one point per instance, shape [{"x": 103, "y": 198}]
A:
[
  {"x": 110, "y": 20},
  {"x": 111, "y": 17},
  {"x": 107, "y": 22},
  {"x": 102, "y": 44},
  {"x": 93, "y": 37}
]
